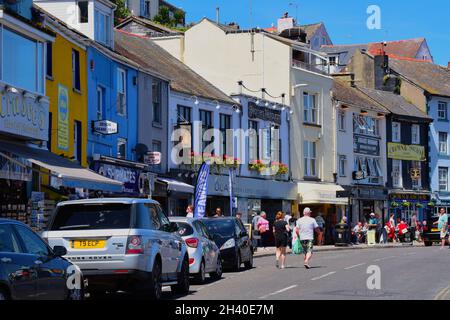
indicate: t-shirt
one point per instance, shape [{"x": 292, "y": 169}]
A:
[
  {"x": 262, "y": 224},
  {"x": 280, "y": 228},
  {"x": 443, "y": 220},
  {"x": 320, "y": 221},
  {"x": 373, "y": 221},
  {"x": 190, "y": 215},
  {"x": 307, "y": 226}
]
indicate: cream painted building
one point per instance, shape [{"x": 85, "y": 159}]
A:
[{"x": 266, "y": 66}]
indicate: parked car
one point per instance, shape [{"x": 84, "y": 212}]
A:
[
  {"x": 31, "y": 270},
  {"x": 122, "y": 244},
  {"x": 204, "y": 255},
  {"x": 233, "y": 240}
]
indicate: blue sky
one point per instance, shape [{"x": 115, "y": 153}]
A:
[{"x": 345, "y": 20}]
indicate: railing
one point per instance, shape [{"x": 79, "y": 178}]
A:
[{"x": 322, "y": 69}]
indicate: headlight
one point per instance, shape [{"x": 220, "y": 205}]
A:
[{"x": 229, "y": 244}]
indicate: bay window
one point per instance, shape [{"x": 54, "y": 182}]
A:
[{"x": 22, "y": 62}]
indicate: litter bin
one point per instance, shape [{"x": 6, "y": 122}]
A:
[{"x": 342, "y": 235}]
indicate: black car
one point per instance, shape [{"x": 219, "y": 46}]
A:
[
  {"x": 233, "y": 241},
  {"x": 431, "y": 233},
  {"x": 31, "y": 270}
]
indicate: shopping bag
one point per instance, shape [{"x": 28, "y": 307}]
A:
[{"x": 297, "y": 247}]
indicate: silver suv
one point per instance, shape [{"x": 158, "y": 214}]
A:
[{"x": 121, "y": 244}]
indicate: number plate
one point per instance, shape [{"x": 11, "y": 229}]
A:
[
  {"x": 87, "y": 244},
  {"x": 434, "y": 230}
]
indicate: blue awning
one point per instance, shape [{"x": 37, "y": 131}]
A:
[{"x": 67, "y": 173}]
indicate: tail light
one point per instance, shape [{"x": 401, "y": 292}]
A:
[
  {"x": 134, "y": 245},
  {"x": 192, "y": 242}
]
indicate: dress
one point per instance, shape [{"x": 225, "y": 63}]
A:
[{"x": 281, "y": 235}]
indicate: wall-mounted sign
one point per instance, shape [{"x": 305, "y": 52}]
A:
[
  {"x": 263, "y": 113},
  {"x": 105, "y": 127},
  {"x": 23, "y": 116},
  {"x": 415, "y": 173},
  {"x": 406, "y": 152},
  {"x": 152, "y": 157},
  {"x": 409, "y": 197},
  {"x": 63, "y": 118},
  {"x": 365, "y": 145},
  {"x": 131, "y": 177}
]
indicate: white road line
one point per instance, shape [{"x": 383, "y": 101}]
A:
[
  {"x": 323, "y": 276},
  {"x": 354, "y": 266},
  {"x": 279, "y": 291},
  {"x": 385, "y": 258}
]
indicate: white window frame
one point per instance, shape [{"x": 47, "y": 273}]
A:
[
  {"x": 341, "y": 120},
  {"x": 311, "y": 108},
  {"x": 442, "y": 113},
  {"x": 342, "y": 166},
  {"x": 120, "y": 142},
  {"x": 443, "y": 145},
  {"x": 309, "y": 157},
  {"x": 397, "y": 180},
  {"x": 121, "y": 92},
  {"x": 100, "y": 104},
  {"x": 396, "y": 130},
  {"x": 415, "y": 134},
  {"x": 443, "y": 185}
]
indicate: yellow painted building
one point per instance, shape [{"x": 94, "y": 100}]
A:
[{"x": 66, "y": 86}]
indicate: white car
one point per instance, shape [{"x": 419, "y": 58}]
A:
[
  {"x": 204, "y": 255},
  {"x": 121, "y": 244}
]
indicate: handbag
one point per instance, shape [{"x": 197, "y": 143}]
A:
[{"x": 297, "y": 248}]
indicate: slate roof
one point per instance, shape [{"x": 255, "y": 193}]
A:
[
  {"x": 430, "y": 77},
  {"x": 183, "y": 79},
  {"x": 149, "y": 24},
  {"x": 311, "y": 29},
  {"x": 402, "y": 48},
  {"x": 351, "y": 96},
  {"x": 395, "y": 103}
]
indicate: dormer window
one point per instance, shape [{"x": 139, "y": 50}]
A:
[
  {"x": 102, "y": 27},
  {"x": 83, "y": 15}
]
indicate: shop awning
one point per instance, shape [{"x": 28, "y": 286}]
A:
[
  {"x": 68, "y": 173},
  {"x": 177, "y": 186},
  {"x": 320, "y": 193}
]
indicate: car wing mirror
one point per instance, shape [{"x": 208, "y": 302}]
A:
[{"x": 59, "y": 251}]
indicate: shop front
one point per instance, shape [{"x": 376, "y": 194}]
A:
[
  {"x": 173, "y": 195},
  {"x": 365, "y": 200},
  {"x": 404, "y": 204}
]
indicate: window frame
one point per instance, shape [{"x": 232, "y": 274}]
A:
[
  {"x": 442, "y": 143},
  {"x": 399, "y": 184},
  {"x": 416, "y": 134},
  {"x": 80, "y": 16},
  {"x": 394, "y": 138},
  {"x": 440, "y": 182},
  {"x": 444, "y": 111},
  {"x": 156, "y": 101},
  {"x": 100, "y": 102},
  {"x": 120, "y": 142},
  {"x": 225, "y": 123},
  {"x": 309, "y": 158},
  {"x": 121, "y": 100},
  {"x": 342, "y": 166},
  {"x": 76, "y": 71},
  {"x": 310, "y": 109}
]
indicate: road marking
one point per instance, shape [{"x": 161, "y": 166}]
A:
[
  {"x": 443, "y": 294},
  {"x": 279, "y": 291},
  {"x": 323, "y": 276},
  {"x": 410, "y": 253},
  {"x": 354, "y": 266},
  {"x": 385, "y": 258}
]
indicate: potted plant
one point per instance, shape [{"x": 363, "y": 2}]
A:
[{"x": 257, "y": 165}]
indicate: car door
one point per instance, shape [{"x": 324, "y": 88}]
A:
[
  {"x": 16, "y": 267},
  {"x": 244, "y": 240},
  {"x": 51, "y": 273},
  {"x": 212, "y": 250},
  {"x": 173, "y": 241}
]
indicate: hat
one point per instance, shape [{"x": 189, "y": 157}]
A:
[{"x": 372, "y": 214}]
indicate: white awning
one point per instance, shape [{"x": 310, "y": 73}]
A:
[
  {"x": 177, "y": 186},
  {"x": 69, "y": 173},
  {"x": 320, "y": 193}
]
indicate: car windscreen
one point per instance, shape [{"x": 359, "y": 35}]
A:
[
  {"x": 184, "y": 229},
  {"x": 92, "y": 216},
  {"x": 225, "y": 228}
]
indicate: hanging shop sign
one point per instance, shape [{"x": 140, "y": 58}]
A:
[
  {"x": 263, "y": 113},
  {"x": 105, "y": 127},
  {"x": 14, "y": 168},
  {"x": 63, "y": 118},
  {"x": 415, "y": 174},
  {"x": 152, "y": 158},
  {"x": 365, "y": 145},
  {"x": 24, "y": 115},
  {"x": 406, "y": 152}
]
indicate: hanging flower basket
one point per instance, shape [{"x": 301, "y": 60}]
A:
[
  {"x": 394, "y": 204},
  {"x": 406, "y": 204},
  {"x": 419, "y": 205},
  {"x": 431, "y": 204}
]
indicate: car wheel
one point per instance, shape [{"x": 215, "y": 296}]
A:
[
  {"x": 201, "y": 275},
  {"x": 155, "y": 282},
  {"x": 218, "y": 273},
  {"x": 427, "y": 243},
  {"x": 3, "y": 295},
  {"x": 249, "y": 263},
  {"x": 238, "y": 262},
  {"x": 182, "y": 287}
]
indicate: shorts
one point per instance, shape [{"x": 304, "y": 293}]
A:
[
  {"x": 307, "y": 246},
  {"x": 281, "y": 241},
  {"x": 443, "y": 234}
]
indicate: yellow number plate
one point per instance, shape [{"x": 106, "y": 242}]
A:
[
  {"x": 434, "y": 230},
  {"x": 87, "y": 244}
]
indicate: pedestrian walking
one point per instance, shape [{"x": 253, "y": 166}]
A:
[
  {"x": 280, "y": 232},
  {"x": 263, "y": 227},
  {"x": 305, "y": 231},
  {"x": 190, "y": 211},
  {"x": 413, "y": 227},
  {"x": 256, "y": 237},
  {"x": 442, "y": 226}
]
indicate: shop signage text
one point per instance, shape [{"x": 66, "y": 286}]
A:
[
  {"x": 406, "y": 152},
  {"x": 152, "y": 157},
  {"x": 266, "y": 114},
  {"x": 365, "y": 145},
  {"x": 23, "y": 116},
  {"x": 63, "y": 118},
  {"x": 130, "y": 177},
  {"x": 409, "y": 197},
  {"x": 105, "y": 127}
]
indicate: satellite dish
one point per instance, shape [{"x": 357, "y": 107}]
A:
[{"x": 141, "y": 150}]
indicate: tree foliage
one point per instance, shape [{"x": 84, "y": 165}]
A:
[
  {"x": 163, "y": 17},
  {"x": 121, "y": 12}
]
